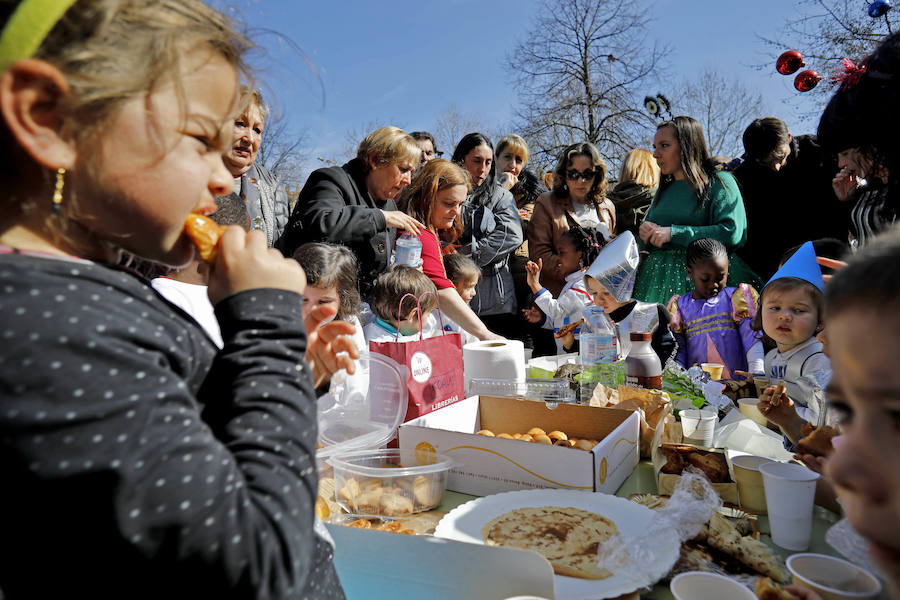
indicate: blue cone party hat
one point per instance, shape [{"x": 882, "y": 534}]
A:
[
  {"x": 802, "y": 265},
  {"x": 616, "y": 266}
]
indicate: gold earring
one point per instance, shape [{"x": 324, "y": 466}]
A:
[{"x": 58, "y": 191}]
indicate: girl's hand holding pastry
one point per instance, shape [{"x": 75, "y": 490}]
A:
[{"x": 244, "y": 262}]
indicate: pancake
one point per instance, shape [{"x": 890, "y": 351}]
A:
[{"x": 567, "y": 537}]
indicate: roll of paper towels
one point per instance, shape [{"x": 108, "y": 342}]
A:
[{"x": 494, "y": 359}]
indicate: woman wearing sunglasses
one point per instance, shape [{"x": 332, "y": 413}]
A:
[
  {"x": 693, "y": 201},
  {"x": 578, "y": 197}
]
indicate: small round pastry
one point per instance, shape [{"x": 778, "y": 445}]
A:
[
  {"x": 527, "y": 438},
  {"x": 505, "y": 436},
  {"x": 517, "y": 436},
  {"x": 486, "y": 432},
  {"x": 563, "y": 443},
  {"x": 542, "y": 439},
  {"x": 584, "y": 445},
  {"x": 536, "y": 431},
  {"x": 557, "y": 435}
]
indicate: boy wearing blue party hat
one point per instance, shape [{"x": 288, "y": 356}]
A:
[{"x": 791, "y": 316}]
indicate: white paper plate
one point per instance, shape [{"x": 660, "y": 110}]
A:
[{"x": 464, "y": 524}]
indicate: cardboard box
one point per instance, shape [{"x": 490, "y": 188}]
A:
[
  {"x": 489, "y": 465},
  {"x": 666, "y": 482}
]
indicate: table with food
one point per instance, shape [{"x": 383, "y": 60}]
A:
[{"x": 618, "y": 491}]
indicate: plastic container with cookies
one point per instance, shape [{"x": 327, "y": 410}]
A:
[{"x": 389, "y": 482}]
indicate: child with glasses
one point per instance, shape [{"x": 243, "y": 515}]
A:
[{"x": 578, "y": 198}]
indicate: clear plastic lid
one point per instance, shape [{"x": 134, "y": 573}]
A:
[
  {"x": 363, "y": 410},
  {"x": 545, "y": 390}
]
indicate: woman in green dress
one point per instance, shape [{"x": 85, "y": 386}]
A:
[{"x": 693, "y": 201}]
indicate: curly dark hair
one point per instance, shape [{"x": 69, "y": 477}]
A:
[
  {"x": 598, "y": 191},
  {"x": 585, "y": 240},
  {"x": 859, "y": 115}
]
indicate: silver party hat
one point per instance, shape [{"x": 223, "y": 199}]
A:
[{"x": 616, "y": 266}]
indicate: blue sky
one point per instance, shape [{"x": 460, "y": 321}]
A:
[{"x": 403, "y": 63}]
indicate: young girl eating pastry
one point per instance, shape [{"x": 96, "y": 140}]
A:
[{"x": 138, "y": 460}]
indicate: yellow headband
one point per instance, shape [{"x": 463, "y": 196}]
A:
[{"x": 27, "y": 28}]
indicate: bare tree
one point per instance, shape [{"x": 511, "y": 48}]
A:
[
  {"x": 581, "y": 75},
  {"x": 723, "y": 105},
  {"x": 826, "y": 32},
  {"x": 282, "y": 151},
  {"x": 451, "y": 125}
]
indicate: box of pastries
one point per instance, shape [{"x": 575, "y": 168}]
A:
[
  {"x": 670, "y": 460},
  {"x": 505, "y": 444}
]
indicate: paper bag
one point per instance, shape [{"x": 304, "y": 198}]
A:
[{"x": 435, "y": 367}]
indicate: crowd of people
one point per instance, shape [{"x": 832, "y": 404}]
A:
[{"x": 163, "y": 432}]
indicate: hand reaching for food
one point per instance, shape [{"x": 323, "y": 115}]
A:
[
  {"x": 533, "y": 275},
  {"x": 330, "y": 347},
  {"x": 779, "y": 409}
]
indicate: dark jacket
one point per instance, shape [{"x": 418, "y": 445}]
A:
[
  {"x": 335, "y": 206},
  {"x": 790, "y": 206},
  {"x": 632, "y": 201}
]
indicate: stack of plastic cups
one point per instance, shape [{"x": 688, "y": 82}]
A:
[{"x": 699, "y": 426}]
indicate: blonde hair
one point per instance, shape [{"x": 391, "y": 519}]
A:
[
  {"x": 388, "y": 145},
  {"x": 515, "y": 144},
  {"x": 417, "y": 199},
  {"x": 113, "y": 51},
  {"x": 391, "y": 286},
  {"x": 250, "y": 97},
  {"x": 640, "y": 166}
]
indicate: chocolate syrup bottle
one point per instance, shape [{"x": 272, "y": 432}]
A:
[{"x": 642, "y": 367}]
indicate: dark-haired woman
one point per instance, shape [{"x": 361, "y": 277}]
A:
[
  {"x": 491, "y": 233},
  {"x": 578, "y": 198},
  {"x": 693, "y": 201}
]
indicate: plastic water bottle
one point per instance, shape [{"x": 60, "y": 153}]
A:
[
  {"x": 598, "y": 353},
  {"x": 408, "y": 251}
]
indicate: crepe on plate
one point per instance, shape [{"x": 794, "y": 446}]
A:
[{"x": 567, "y": 537}]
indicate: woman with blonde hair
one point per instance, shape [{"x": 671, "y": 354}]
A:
[
  {"x": 258, "y": 188},
  {"x": 354, "y": 204},
  {"x": 578, "y": 198},
  {"x": 512, "y": 158},
  {"x": 435, "y": 198},
  {"x": 638, "y": 180}
]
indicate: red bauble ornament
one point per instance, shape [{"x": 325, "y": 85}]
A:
[
  {"x": 806, "y": 80},
  {"x": 789, "y": 62}
]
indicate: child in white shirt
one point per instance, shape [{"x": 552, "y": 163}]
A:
[
  {"x": 186, "y": 288},
  {"x": 577, "y": 248},
  {"x": 791, "y": 315}
]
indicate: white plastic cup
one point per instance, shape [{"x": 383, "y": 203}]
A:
[
  {"x": 700, "y": 585},
  {"x": 698, "y": 426},
  {"x": 790, "y": 491}
]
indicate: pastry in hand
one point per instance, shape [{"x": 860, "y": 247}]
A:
[
  {"x": 205, "y": 234},
  {"x": 817, "y": 440}
]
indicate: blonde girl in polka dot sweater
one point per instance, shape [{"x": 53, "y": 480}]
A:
[{"x": 137, "y": 460}]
